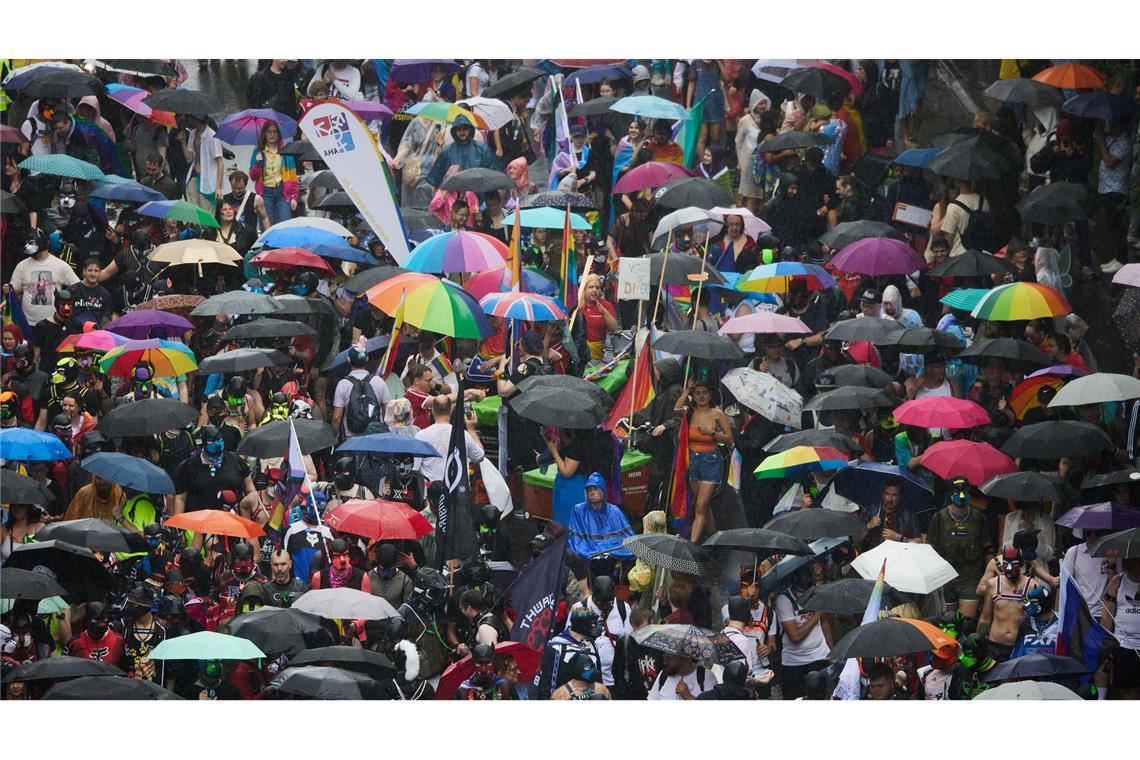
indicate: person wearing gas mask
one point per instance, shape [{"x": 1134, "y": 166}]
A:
[
  {"x": 244, "y": 408},
  {"x": 483, "y": 684},
  {"x": 340, "y": 573},
  {"x": 27, "y": 381},
  {"x": 282, "y": 588},
  {"x": 960, "y": 535},
  {"x": 199, "y": 479},
  {"x": 211, "y": 683},
  {"x": 426, "y": 620},
  {"x": 388, "y": 581},
  {"x": 91, "y": 377},
  {"x": 50, "y": 332},
  {"x": 613, "y": 612},
  {"x": 65, "y": 381},
  {"x": 142, "y": 632},
  {"x": 97, "y": 641},
  {"x": 197, "y": 575},
  {"x": 36, "y": 278},
  {"x": 585, "y": 682},
  {"x": 142, "y": 385},
  {"x": 584, "y": 633},
  {"x": 1003, "y": 606},
  {"x": 216, "y": 415}
]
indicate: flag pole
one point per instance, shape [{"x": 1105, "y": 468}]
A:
[
  {"x": 309, "y": 486},
  {"x": 661, "y": 278},
  {"x": 633, "y": 378},
  {"x": 581, "y": 289},
  {"x": 697, "y": 298}
]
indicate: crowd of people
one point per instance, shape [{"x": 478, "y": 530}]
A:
[{"x": 806, "y": 384}]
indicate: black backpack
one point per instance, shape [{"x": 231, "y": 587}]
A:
[
  {"x": 981, "y": 233},
  {"x": 363, "y": 409}
]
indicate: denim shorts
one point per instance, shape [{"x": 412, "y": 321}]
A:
[{"x": 706, "y": 466}]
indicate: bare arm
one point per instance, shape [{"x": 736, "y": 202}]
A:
[
  {"x": 987, "y": 616},
  {"x": 180, "y": 503},
  {"x": 1108, "y": 613},
  {"x": 797, "y": 632}
]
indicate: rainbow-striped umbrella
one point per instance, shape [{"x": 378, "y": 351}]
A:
[
  {"x": 800, "y": 459},
  {"x": 449, "y": 112},
  {"x": 432, "y": 304},
  {"x": 458, "y": 252},
  {"x": 91, "y": 340},
  {"x": 499, "y": 281},
  {"x": 1023, "y": 397},
  {"x": 1021, "y": 300},
  {"x": 131, "y": 98},
  {"x": 778, "y": 277},
  {"x": 525, "y": 306},
  {"x": 168, "y": 357}
]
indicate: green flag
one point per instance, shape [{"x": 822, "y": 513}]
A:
[{"x": 690, "y": 131}]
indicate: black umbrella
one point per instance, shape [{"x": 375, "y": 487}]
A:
[
  {"x": 967, "y": 162},
  {"x": 849, "y": 398},
  {"x": 142, "y": 67},
  {"x": 236, "y": 302},
  {"x": 559, "y": 199},
  {"x": 302, "y": 149},
  {"x": 1128, "y": 475},
  {"x": 94, "y": 534},
  {"x": 847, "y": 597},
  {"x": 560, "y": 408},
  {"x": 11, "y": 203},
  {"x": 147, "y": 417},
  {"x": 335, "y": 201},
  {"x": 813, "y": 437},
  {"x": 418, "y": 219},
  {"x": 863, "y": 484},
  {"x": 1126, "y": 317},
  {"x": 17, "y": 583},
  {"x": 1013, "y": 351},
  {"x": 20, "y": 489},
  {"x": 860, "y": 375},
  {"x": 363, "y": 661},
  {"x": 780, "y": 575},
  {"x": 1036, "y": 665},
  {"x": 819, "y": 83},
  {"x": 973, "y": 264},
  {"x": 109, "y": 687},
  {"x": 700, "y": 344},
  {"x": 325, "y": 178},
  {"x": 521, "y": 76},
  {"x": 324, "y": 683},
  {"x": 1103, "y": 106},
  {"x": 269, "y": 441},
  {"x": 1124, "y": 544},
  {"x": 62, "y": 83},
  {"x": 1028, "y": 486},
  {"x": 816, "y": 522},
  {"x": 756, "y": 540},
  {"x": 565, "y": 382},
  {"x": 863, "y": 328},
  {"x": 1057, "y": 439},
  {"x": 672, "y": 553},
  {"x": 887, "y": 637},
  {"x": 678, "y": 267},
  {"x": 1055, "y": 203},
  {"x": 74, "y": 567},
  {"x": 182, "y": 100},
  {"x": 279, "y": 630},
  {"x": 478, "y": 180},
  {"x": 595, "y": 107},
  {"x": 371, "y": 277},
  {"x": 243, "y": 359},
  {"x": 846, "y": 233},
  {"x": 795, "y": 141},
  {"x": 262, "y": 329},
  {"x": 693, "y": 191},
  {"x": 292, "y": 304},
  {"x": 922, "y": 339},
  {"x": 61, "y": 667},
  {"x": 1027, "y": 91},
  {"x": 697, "y": 644}
]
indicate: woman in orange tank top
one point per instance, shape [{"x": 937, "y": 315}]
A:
[{"x": 708, "y": 427}]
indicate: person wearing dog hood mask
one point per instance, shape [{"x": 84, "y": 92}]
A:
[{"x": 583, "y": 633}]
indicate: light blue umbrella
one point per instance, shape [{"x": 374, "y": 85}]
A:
[
  {"x": 128, "y": 471},
  {"x": 650, "y": 107},
  {"x": 206, "y": 645},
  {"x": 548, "y": 218},
  {"x": 388, "y": 443},
  {"x": 304, "y": 237},
  {"x": 63, "y": 165},
  {"x": 24, "y": 445},
  {"x": 127, "y": 192},
  {"x": 918, "y": 157}
]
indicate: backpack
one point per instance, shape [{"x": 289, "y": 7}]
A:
[
  {"x": 981, "y": 233},
  {"x": 363, "y": 408}
]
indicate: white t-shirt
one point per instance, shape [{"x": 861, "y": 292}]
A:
[
  {"x": 668, "y": 688},
  {"x": 343, "y": 393},
  {"x": 615, "y": 626},
  {"x": 1091, "y": 575},
  {"x": 957, "y": 219},
  {"x": 745, "y": 643},
  {"x": 758, "y": 632},
  {"x": 439, "y": 436},
  {"x": 812, "y": 648},
  {"x": 346, "y": 81},
  {"x": 37, "y": 282},
  {"x": 935, "y": 683}
]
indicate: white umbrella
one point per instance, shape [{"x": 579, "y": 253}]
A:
[
  {"x": 913, "y": 568},
  {"x": 765, "y": 395},
  {"x": 1029, "y": 690},
  {"x": 754, "y": 226},
  {"x": 313, "y": 222},
  {"x": 684, "y": 217},
  {"x": 495, "y": 112},
  {"x": 1097, "y": 388},
  {"x": 344, "y": 604}
]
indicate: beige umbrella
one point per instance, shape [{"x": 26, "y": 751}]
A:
[{"x": 195, "y": 251}]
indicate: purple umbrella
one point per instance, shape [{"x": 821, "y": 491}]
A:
[
  {"x": 150, "y": 323},
  {"x": 418, "y": 70},
  {"x": 368, "y": 110},
  {"x": 244, "y": 127},
  {"x": 1106, "y": 516},
  {"x": 1059, "y": 370},
  {"x": 878, "y": 256}
]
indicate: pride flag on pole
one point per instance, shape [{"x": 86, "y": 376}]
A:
[
  {"x": 679, "y": 485},
  {"x": 514, "y": 254},
  {"x": 850, "y": 685},
  {"x": 637, "y": 392},
  {"x": 392, "y": 352},
  {"x": 289, "y": 483},
  {"x": 569, "y": 271},
  {"x": 689, "y": 132}
]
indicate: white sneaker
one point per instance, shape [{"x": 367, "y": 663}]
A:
[{"x": 1111, "y": 267}]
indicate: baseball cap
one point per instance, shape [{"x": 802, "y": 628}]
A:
[
  {"x": 871, "y": 295},
  {"x": 640, "y": 73}
]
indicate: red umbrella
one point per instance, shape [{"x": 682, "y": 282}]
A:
[
  {"x": 651, "y": 174},
  {"x": 878, "y": 256},
  {"x": 527, "y": 658},
  {"x": 378, "y": 519},
  {"x": 942, "y": 412},
  {"x": 976, "y": 462},
  {"x": 291, "y": 258},
  {"x": 851, "y": 79}
]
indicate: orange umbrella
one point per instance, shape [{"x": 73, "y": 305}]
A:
[
  {"x": 217, "y": 522},
  {"x": 1072, "y": 76}
]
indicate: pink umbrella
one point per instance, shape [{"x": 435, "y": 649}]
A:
[
  {"x": 651, "y": 174},
  {"x": 11, "y": 135},
  {"x": 132, "y": 97},
  {"x": 91, "y": 340},
  {"x": 1129, "y": 274},
  {"x": 878, "y": 256},
  {"x": 976, "y": 462},
  {"x": 942, "y": 412},
  {"x": 851, "y": 79},
  {"x": 763, "y": 322},
  {"x": 754, "y": 226},
  {"x": 292, "y": 258}
]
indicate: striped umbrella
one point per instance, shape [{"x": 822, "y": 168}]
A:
[
  {"x": 448, "y": 112},
  {"x": 169, "y": 358},
  {"x": 91, "y": 340},
  {"x": 131, "y": 99},
  {"x": 800, "y": 459},
  {"x": 1021, "y": 301},
  {"x": 432, "y": 304},
  {"x": 778, "y": 277},
  {"x": 458, "y": 252},
  {"x": 1023, "y": 397},
  {"x": 527, "y": 307}
]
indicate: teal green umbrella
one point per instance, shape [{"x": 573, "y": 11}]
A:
[
  {"x": 63, "y": 165},
  {"x": 650, "y": 107},
  {"x": 206, "y": 645},
  {"x": 548, "y": 218},
  {"x": 964, "y": 299},
  {"x": 180, "y": 211},
  {"x": 47, "y": 606}
]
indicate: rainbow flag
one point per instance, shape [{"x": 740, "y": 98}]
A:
[
  {"x": 442, "y": 365},
  {"x": 679, "y": 485},
  {"x": 850, "y": 685},
  {"x": 689, "y": 130},
  {"x": 391, "y": 353},
  {"x": 289, "y": 485},
  {"x": 569, "y": 270},
  {"x": 637, "y": 392},
  {"x": 14, "y": 313}
]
